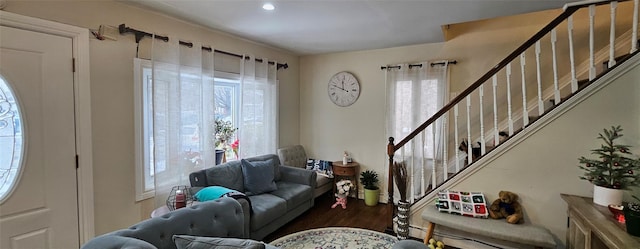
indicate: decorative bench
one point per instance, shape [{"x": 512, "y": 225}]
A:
[{"x": 526, "y": 234}]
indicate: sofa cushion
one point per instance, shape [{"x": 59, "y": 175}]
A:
[
  {"x": 258, "y": 176},
  {"x": 294, "y": 193},
  {"x": 116, "y": 241},
  {"x": 276, "y": 163},
  {"x": 266, "y": 208},
  {"x": 196, "y": 242},
  {"x": 228, "y": 175},
  {"x": 212, "y": 193}
]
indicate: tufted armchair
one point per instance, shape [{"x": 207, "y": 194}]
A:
[{"x": 295, "y": 156}]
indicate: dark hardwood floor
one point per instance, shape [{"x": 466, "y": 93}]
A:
[{"x": 357, "y": 214}]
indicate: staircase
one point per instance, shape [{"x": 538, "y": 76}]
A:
[{"x": 566, "y": 59}]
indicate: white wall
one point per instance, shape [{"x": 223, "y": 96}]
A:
[
  {"x": 112, "y": 93},
  {"x": 326, "y": 130}
]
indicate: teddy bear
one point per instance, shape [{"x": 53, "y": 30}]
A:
[
  {"x": 343, "y": 187},
  {"x": 507, "y": 206}
]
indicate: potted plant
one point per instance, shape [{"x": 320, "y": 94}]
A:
[
  {"x": 223, "y": 131},
  {"x": 369, "y": 179},
  {"x": 613, "y": 171}
]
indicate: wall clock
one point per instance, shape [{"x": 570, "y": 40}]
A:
[{"x": 343, "y": 89}]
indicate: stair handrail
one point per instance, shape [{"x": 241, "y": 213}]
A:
[{"x": 568, "y": 10}]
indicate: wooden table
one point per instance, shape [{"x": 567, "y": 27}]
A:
[
  {"x": 593, "y": 226},
  {"x": 346, "y": 171}
]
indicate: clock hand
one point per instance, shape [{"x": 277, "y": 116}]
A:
[{"x": 341, "y": 88}]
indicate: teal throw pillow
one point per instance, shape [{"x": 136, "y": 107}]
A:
[
  {"x": 258, "y": 176},
  {"x": 212, "y": 193},
  {"x": 195, "y": 242}
]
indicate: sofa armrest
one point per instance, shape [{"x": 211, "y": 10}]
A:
[
  {"x": 298, "y": 175},
  {"x": 246, "y": 210},
  {"x": 409, "y": 244}
]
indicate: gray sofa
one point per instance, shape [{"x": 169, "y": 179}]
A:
[
  {"x": 222, "y": 219},
  {"x": 295, "y": 156},
  {"x": 268, "y": 211}
]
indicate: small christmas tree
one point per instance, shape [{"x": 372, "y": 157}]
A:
[{"x": 615, "y": 168}]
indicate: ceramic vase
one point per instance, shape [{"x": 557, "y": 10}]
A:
[
  {"x": 219, "y": 156},
  {"x": 403, "y": 220},
  {"x": 605, "y": 196}
]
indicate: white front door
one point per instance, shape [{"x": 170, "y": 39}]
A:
[{"x": 41, "y": 211}]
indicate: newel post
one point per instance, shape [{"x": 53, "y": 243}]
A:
[{"x": 390, "y": 207}]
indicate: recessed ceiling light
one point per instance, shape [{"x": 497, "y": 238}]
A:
[{"x": 268, "y": 6}]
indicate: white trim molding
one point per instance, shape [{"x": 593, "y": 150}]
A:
[{"x": 82, "y": 94}]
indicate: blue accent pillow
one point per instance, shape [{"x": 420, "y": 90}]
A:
[
  {"x": 258, "y": 176},
  {"x": 212, "y": 193}
]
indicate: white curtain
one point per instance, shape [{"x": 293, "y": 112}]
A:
[
  {"x": 414, "y": 94},
  {"x": 258, "y": 111},
  {"x": 183, "y": 110}
]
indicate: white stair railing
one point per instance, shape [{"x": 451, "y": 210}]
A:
[{"x": 426, "y": 172}]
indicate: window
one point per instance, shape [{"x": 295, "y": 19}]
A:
[
  {"x": 414, "y": 104},
  {"x": 414, "y": 94},
  {"x": 196, "y": 110},
  {"x": 11, "y": 141}
]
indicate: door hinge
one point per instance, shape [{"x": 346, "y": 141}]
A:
[
  {"x": 73, "y": 65},
  {"x": 77, "y": 163}
]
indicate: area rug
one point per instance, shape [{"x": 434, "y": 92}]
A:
[{"x": 336, "y": 238}]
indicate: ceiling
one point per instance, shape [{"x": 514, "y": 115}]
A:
[{"x": 325, "y": 26}]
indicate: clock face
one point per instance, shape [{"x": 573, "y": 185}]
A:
[{"x": 343, "y": 89}]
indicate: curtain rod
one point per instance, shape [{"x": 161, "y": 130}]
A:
[
  {"x": 419, "y": 65},
  {"x": 123, "y": 29}
]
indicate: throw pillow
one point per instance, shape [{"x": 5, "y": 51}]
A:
[
  {"x": 212, "y": 193},
  {"x": 472, "y": 204},
  {"x": 258, "y": 176},
  {"x": 195, "y": 242}
]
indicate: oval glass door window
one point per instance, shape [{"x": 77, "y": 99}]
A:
[{"x": 11, "y": 141}]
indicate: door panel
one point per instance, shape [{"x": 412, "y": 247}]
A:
[{"x": 42, "y": 211}]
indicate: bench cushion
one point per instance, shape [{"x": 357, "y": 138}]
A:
[{"x": 527, "y": 234}]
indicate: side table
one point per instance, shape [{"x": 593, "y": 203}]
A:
[
  {"x": 592, "y": 226},
  {"x": 345, "y": 171}
]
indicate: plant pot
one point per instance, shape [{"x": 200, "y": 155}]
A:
[
  {"x": 219, "y": 155},
  {"x": 632, "y": 221},
  {"x": 605, "y": 196},
  {"x": 371, "y": 197}
]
